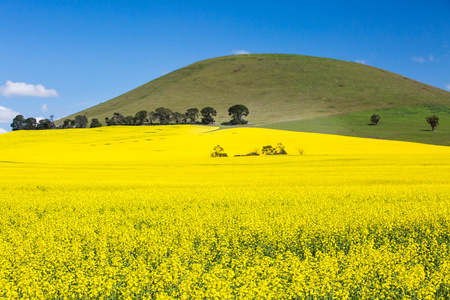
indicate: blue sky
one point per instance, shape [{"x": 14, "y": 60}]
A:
[{"x": 60, "y": 57}]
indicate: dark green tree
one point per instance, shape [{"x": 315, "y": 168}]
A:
[
  {"x": 375, "y": 119},
  {"x": 237, "y": 112},
  {"x": 18, "y": 123},
  {"x": 30, "y": 124},
  {"x": 81, "y": 121},
  {"x": 185, "y": 118},
  {"x": 152, "y": 117},
  {"x": 163, "y": 115},
  {"x": 128, "y": 120},
  {"x": 141, "y": 117},
  {"x": 207, "y": 115},
  {"x": 67, "y": 123},
  {"x": 433, "y": 121},
  {"x": 192, "y": 114},
  {"x": 117, "y": 119},
  {"x": 95, "y": 123},
  {"x": 45, "y": 124},
  {"x": 177, "y": 117}
]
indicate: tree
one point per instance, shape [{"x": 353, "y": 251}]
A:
[
  {"x": 208, "y": 113},
  {"x": 128, "y": 120},
  {"x": 45, "y": 124},
  {"x": 433, "y": 121},
  {"x": 185, "y": 118},
  {"x": 218, "y": 152},
  {"x": 68, "y": 123},
  {"x": 236, "y": 112},
  {"x": 141, "y": 117},
  {"x": 18, "y": 123},
  {"x": 117, "y": 119},
  {"x": 375, "y": 119},
  {"x": 278, "y": 150},
  {"x": 30, "y": 124},
  {"x": 177, "y": 117},
  {"x": 95, "y": 123},
  {"x": 192, "y": 114},
  {"x": 81, "y": 121},
  {"x": 152, "y": 117},
  {"x": 163, "y": 115}
]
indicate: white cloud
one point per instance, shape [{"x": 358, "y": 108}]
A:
[
  {"x": 448, "y": 86},
  {"x": 39, "y": 118},
  {"x": 22, "y": 89},
  {"x": 7, "y": 114},
  {"x": 2, "y": 130},
  {"x": 44, "y": 108},
  {"x": 237, "y": 52},
  {"x": 421, "y": 59},
  {"x": 418, "y": 59},
  {"x": 361, "y": 61}
]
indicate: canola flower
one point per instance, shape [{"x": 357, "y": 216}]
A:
[{"x": 146, "y": 213}]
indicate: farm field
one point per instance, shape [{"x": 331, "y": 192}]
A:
[{"x": 145, "y": 213}]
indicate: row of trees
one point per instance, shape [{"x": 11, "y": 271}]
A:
[
  {"x": 164, "y": 116},
  {"x": 161, "y": 115},
  {"x": 20, "y": 123}
]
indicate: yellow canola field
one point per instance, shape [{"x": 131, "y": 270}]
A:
[{"x": 145, "y": 213}]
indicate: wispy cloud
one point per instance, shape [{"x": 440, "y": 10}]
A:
[
  {"x": 418, "y": 59},
  {"x": 44, "y": 108},
  {"x": 237, "y": 52},
  {"x": 421, "y": 59},
  {"x": 448, "y": 86},
  {"x": 361, "y": 61},
  {"x": 22, "y": 89},
  {"x": 2, "y": 130},
  {"x": 7, "y": 114}
]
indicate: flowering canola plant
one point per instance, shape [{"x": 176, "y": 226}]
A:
[{"x": 145, "y": 213}]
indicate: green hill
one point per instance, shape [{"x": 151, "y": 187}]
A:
[
  {"x": 276, "y": 88},
  {"x": 406, "y": 123}
]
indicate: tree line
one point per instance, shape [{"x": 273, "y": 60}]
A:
[{"x": 161, "y": 115}]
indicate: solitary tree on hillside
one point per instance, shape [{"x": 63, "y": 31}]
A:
[
  {"x": 192, "y": 114},
  {"x": 375, "y": 119},
  {"x": 433, "y": 121},
  {"x": 236, "y": 112},
  {"x": 81, "y": 121},
  {"x": 18, "y": 123},
  {"x": 208, "y": 113}
]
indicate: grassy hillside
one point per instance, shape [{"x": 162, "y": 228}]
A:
[
  {"x": 276, "y": 88},
  {"x": 397, "y": 123}
]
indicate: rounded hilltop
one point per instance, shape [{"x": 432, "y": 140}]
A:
[{"x": 275, "y": 88}]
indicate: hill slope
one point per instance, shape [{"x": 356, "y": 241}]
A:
[{"x": 275, "y": 87}]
